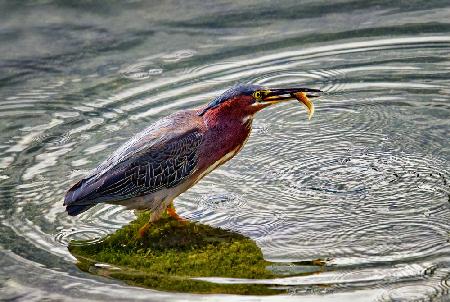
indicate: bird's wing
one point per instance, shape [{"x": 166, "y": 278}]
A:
[{"x": 152, "y": 160}]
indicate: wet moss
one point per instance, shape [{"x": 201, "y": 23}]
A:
[{"x": 172, "y": 254}]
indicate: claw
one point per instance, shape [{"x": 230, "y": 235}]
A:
[
  {"x": 143, "y": 230},
  {"x": 172, "y": 213}
]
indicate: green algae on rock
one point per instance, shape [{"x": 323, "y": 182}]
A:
[{"x": 173, "y": 253}]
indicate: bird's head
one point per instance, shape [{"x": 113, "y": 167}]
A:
[{"x": 243, "y": 101}]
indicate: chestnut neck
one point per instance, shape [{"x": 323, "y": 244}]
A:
[{"x": 228, "y": 129}]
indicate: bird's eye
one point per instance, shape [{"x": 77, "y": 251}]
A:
[{"x": 257, "y": 95}]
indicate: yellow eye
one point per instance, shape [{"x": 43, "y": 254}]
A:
[{"x": 257, "y": 95}]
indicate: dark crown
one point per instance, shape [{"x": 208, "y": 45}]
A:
[{"x": 238, "y": 89}]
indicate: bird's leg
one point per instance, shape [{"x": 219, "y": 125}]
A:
[
  {"x": 143, "y": 230},
  {"x": 154, "y": 216},
  {"x": 173, "y": 213}
]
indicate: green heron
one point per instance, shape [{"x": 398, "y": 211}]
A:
[{"x": 174, "y": 153}]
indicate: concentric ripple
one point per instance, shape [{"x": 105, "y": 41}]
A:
[{"x": 364, "y": 185}]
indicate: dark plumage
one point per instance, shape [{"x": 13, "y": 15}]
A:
[{"x": 146, "y": 163}]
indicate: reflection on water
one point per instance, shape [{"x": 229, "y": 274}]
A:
[{"x": 365, "y": 183}]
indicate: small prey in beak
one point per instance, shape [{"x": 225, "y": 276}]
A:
[
  {"x": 303, "y": 98},
  {"x": 274, "y": 96}
]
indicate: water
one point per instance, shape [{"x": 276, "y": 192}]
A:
[{"x": 364, "y": 184}]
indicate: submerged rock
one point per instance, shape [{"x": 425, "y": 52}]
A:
[{"x": 173, "y": 253}]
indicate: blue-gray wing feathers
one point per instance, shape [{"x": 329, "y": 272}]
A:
[{"x": 137, "y": 169}]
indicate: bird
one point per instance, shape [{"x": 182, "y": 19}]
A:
[{"x": 171, "y": 155}]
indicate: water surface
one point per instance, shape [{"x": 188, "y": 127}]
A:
[{"x": 365, "y": 183}]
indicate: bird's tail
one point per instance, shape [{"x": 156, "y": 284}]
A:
[
  {"x": 76, "y": 200},
  {"x": 74, "y": 210}
]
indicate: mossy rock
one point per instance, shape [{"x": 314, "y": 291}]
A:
[{"x": 173, "y": 253}]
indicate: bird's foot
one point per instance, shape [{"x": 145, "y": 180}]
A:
[
  {"x": 172, "y": 213},
  {"x": 143, "y": 230}
]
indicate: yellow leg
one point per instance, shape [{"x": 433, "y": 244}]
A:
[
  {"x": 154, "y": 216},
  {"x": 143, "y": 230},
  {"x": 172, "y": 213}
]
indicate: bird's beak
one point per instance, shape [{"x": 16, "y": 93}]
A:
[{"x": 273, "y": 96}]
